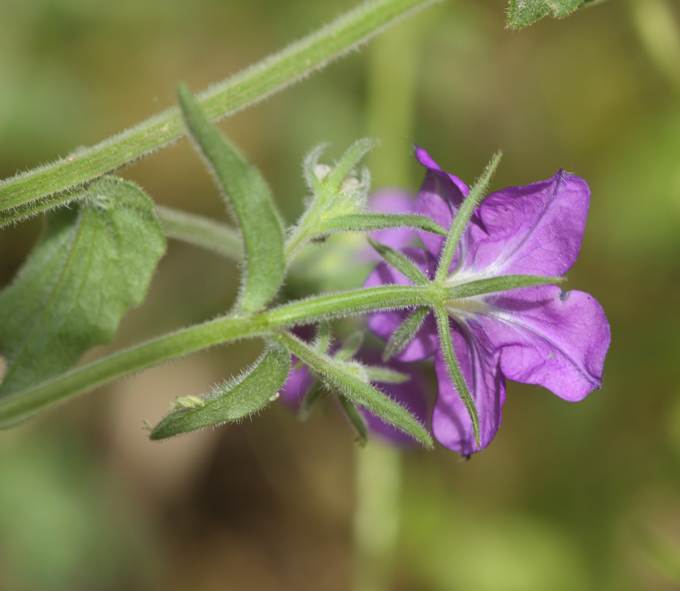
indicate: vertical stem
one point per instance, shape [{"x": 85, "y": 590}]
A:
[
  {"x": 659, "y": 34},
  {"x": 392, "y": 75},
  {"x": 376, "y": 518}
]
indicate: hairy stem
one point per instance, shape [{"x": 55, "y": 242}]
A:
[
  {"x": 245, "y": 88},
  {"x": 222, "y": 330},
  {"x": 201, "y": 231}
]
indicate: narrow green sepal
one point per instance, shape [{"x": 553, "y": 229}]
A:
[
  {"x": 231, "y": 401},
  {"x": 347, "y": 163},
  {"x": 344, "y": 378},
  {"x": 323, "y": 337},
  {"x": 355, "y": 419},
  {"x": 497, "y": 284},
  {"x": 364, "y": 222},
  {"x": 460, "y": 222},
  {"x": 351, "y": 346},
  {"x": 405, "y": 333},
  {"x": 400, "y": 262},
  {"x": 446, "y": 343},
  {"x": 247, "y": 193},
  {"x": 313, "y": 396},
  {"x": 385, "y": 375}
]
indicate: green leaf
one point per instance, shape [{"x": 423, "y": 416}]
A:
[
  {"x": 522, "y": 13},
  {"x": 344, "y": 378},
  {"x": 91, "y": 265},
  {"x": 351, "y": 346},
  {"x": 355, "y": 419},
  {"x": 249, "y": 196},
  {"x": 385, "y": 375},
  {"x": 405, "y": 333},
  {"x": 446, "y": 343},
  {"x": 400, "y": 262},
  {"x": 315, "y": 393},
  {"x": 323, "y": 339},
  {"x": 233, "y": 400},
  {"x": 363, "y": 222}
]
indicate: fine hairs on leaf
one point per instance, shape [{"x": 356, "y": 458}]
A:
[
  {"x": 400, "y": 262},
  {"x": 344, "y": 379},
  {"x": 249, "y": 196},
  {"x": 522, "y": 13},
  {"x": 323, "y": 339},
  {"x": 232, "y": 400},
  {"x": 93, "y": 263}
]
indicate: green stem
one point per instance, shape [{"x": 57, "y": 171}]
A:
[
  {"x": 394, "y": 69},
  {"x": 376, "y": 515},
  {"x": 659, "y": 33},
  {"x": 201, "y": 231},
  {"x": 202, "y": 336},
  {"x": 245, "y": 88}
]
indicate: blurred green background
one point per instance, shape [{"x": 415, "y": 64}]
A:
[{"x": 568, "y": 496}]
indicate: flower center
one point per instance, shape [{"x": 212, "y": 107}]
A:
[{"x": 462, "y": 307}]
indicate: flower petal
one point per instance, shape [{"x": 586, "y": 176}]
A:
[
  {"x": 383, "y": 324},
  {"x": 411, "y": 395},
  {"x": 393, "y": 201},
  {"x": 451, "y": 423},
  {"x": 297, "y": 385},
  {"x": 439, "y": 197},
  {"x": 535, "y": 229},
  {"x": 548, "y": 337}
]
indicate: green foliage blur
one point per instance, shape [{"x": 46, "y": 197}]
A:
[{"x": 568, "y": 497}]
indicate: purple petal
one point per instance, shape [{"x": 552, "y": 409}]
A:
[
  {"x": 548, "y": 337},
  {"x": 439, "y": 197},
  {"x": 297, "y": 385},
  {"x": 300, "y": 379},
  {"x": 423, "y": 156},
  {"x": 412, "y": 395},
  {"x": 393, "y": 201},
  {"x": 383, "y": 324},
  {"x": 451, "y": 424},
  {"x": 535, "y": 229}
]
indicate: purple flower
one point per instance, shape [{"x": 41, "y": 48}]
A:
[
  {"x": 391, "y": 201},
  {"x": 534, "y": 335},
  {"x": 410, "y": 394}
]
